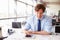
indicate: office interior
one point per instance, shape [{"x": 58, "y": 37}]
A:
[{"x": 14, "y": 13}]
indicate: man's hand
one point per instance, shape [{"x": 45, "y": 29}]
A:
[{"x": 28, "y": 32}]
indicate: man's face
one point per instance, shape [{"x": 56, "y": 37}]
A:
[{"x": 39, "y": 13}]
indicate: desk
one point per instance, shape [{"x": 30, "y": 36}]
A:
[{"x": 20, "y": 36}]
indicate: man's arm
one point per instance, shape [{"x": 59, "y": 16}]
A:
[
  {"x": 41, "y": 33},
  {"x": 36, "y": 32}
]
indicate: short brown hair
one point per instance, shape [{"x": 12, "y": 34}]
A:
[{"x": 40, "y": 6}]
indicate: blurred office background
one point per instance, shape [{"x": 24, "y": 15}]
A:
[{"x": 20, "y": 10}]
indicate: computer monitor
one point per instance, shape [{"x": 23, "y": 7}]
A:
[
  {"x": 57, "y": 29},
  {"x": 16, "y": 24},
  {"x": 57, "y": 23}
]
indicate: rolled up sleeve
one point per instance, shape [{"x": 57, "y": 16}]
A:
[{"x": 27, "y": 26}]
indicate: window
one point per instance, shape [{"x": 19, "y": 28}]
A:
[
  {"x": 21, "y": 9},
  {"x": 3, "y": 8},
  {"x": 30, "y": 2},
  {"x": 27, "y": 1},
  {"x": 12, "y": 10},
  {"x": 29, "y": 10}
]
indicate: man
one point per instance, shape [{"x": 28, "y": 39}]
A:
[{"x": 39, "y": 23}]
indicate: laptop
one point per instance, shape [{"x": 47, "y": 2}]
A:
[
  {"x": 16, "y": 24},
  {"x": 57, "y": 29}
]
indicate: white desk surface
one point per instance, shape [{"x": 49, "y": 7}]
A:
[{"x": 20, "y": 36}]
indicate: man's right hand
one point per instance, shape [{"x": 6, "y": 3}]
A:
[{"x": 28, "y": 32}]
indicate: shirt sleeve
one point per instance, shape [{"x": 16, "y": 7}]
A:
[
  {"x": 48, "y": 25},
  {"x": 27, "y": 25}
]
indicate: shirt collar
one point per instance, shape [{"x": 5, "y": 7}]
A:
[{"x": 40, "y": 18}]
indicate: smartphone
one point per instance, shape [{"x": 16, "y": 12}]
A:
[{"x": 28, "y": 36}]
